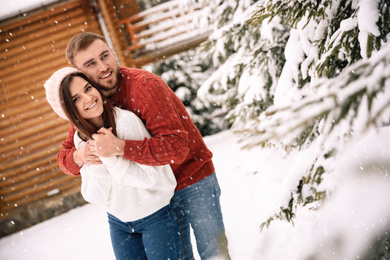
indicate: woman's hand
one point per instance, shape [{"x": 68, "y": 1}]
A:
[
  {"x": 86, "y": 155},
  {"x": 106, "y": 144}
]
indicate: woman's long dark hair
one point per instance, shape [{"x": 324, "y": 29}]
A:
[{"x": 85, "y": 128}]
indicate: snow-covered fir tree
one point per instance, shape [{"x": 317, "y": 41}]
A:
[
  {"x": 333, "y": 86},
  {"x": 303, "y": 75}
]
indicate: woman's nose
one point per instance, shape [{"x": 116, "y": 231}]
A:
[{"x": 86, "y": 98}]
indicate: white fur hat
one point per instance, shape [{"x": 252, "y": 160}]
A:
[{"x": 52, "y": 87}]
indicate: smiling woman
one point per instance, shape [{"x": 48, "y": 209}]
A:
[
  {"x": 73, "y": 97},
  {"x": 88, "y": 100}
]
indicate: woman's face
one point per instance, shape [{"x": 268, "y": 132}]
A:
[{"x": 87, "y": 100}]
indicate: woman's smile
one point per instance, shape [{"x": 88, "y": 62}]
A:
[{"x": 92, "y": 106}]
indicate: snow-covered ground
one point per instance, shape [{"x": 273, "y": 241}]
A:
[{"x": 251, "y": 182}]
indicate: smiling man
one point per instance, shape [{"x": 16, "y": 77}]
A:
[{"x": 175, "y": 141}]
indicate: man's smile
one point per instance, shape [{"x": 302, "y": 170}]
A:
[{"x": 106, "y": 75}]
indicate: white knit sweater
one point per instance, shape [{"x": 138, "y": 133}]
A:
[{"x": 128, "y": 190}]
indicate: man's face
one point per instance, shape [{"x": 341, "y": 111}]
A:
[{"x": 99, "y": 63}]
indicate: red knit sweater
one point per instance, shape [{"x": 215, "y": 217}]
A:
[{"x": 176, "y": 140}]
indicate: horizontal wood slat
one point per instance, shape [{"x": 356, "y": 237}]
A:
[
  {"x": 35, "y": 185},
  {"x": 47, "y": 117},
  {"x": 10, "y": 179},
  {"x": 20, "y": 117},
  {"x": 63, "y": 184},
  {"x": 19, "y": 23},
  {"x": 28, "y": 169},
  {"x": 20, "y": 107},
  {"x": 39, "y": 141},
  {"x": 32, "y": 48},
  {"x": 22, "y": 160},
  {"x": 37, "y": 129},
  {"x": 59, "y": 22}
]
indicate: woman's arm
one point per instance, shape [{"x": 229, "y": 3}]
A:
[
  {"x": 96, "y": 181},
  {"x": 96, "y": 184},
  {"x": 126, "y": 172}
]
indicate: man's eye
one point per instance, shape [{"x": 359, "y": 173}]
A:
[
  {"x": 90, "y": 64},
  {"x": 104, "y": 56}
]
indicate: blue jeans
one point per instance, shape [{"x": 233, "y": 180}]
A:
[
  {"x": 198, "y": 206},
  {"x": 154, "y": 237}
]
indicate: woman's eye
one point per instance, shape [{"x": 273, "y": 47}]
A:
[{"x": 75, "y": 99}]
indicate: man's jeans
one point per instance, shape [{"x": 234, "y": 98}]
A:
[
  {"x": 154, "y": 237},
  {"x": 198, "y": 205}
]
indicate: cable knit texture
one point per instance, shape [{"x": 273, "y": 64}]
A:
[
  {"x": 176, "y": 140},
  {"x": 128, "y": 190}
]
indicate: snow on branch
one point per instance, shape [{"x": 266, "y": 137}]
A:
[{"x": 363, "y": 86}]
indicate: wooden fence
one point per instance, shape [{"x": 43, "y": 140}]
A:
[{"x": 164, "y": 30}]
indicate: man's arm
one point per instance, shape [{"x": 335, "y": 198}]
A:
[
  {"x": 65, "y": 156},
  {"x": 156, "y": 104},
  {"x": 161, "y": 110}
]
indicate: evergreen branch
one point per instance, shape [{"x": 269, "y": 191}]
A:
[
  {"x": 335, "y": 99},
  {"x": 291, "y": 12}
]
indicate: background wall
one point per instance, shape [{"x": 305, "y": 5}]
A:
[{"x": 32, "y": 47}]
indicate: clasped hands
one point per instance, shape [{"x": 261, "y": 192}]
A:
[{"x": 104, "y": 143}]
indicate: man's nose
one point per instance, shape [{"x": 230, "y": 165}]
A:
[{"x": 102, "y": 66}]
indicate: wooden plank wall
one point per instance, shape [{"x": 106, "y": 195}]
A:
[
  {"x": 113, "y": 11},
  {"x": 32, "y": 47}
]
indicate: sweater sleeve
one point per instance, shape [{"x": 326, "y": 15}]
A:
[
  {"x": 155, "y": 102},
  {"x": 127, "y": 172},
  {"x": 95, "y": 180},
  {"x": 95, "y": 185},
  {"x": 65, "y": 155}
]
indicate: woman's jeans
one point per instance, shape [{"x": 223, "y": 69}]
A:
[
  {"x": 154, "y": 237},
  {"x": 198, "y": 206}
]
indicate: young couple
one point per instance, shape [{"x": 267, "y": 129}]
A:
[{"x": 139, "y": 155}]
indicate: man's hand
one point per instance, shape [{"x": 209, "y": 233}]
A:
[
  {"x": 107, "y": 144},
  {"x": 86, "y": 155}
]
